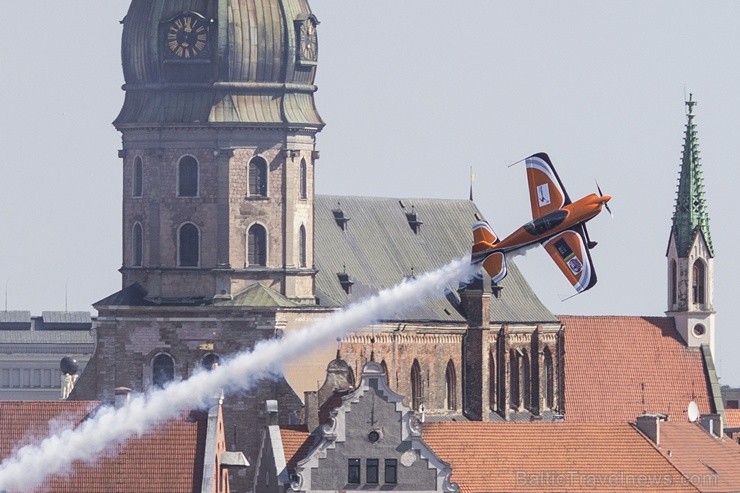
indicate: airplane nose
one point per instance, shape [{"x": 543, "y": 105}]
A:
[{"x": 605, "y": 198}]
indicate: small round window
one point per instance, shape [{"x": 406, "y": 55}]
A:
[
  {"x": 699, "y": 330},
  {"x": 373, "y": 436}
]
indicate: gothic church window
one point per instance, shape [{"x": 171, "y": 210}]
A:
[
  {"x": 492, "y": 390},
  {"x": 450, "y": 387},
  {"x": 417, "y": 386},
  {"x": 188, "y": 247},
  {"x": 525, "y": 380},
  {"x": 137, "y": 245},
  {"x": 698, "y": 283},
  {"x": 258, "y": 177},
  {"x": 303, "y": 179},
  {"x": 548, "y": 384},
  {"x": 385, "y": 370},
  {"x": 163, "y": 369},
  {"x": 514, "y": 391},
  {"x": 257, "y": 246},
  {"x": 187, "y": 177},
  {"x": 138, "y": 187},
  {"x": 674, "y": 283},
  {"x": 302, "y": 247}
]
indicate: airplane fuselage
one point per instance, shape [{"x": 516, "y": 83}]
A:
[{"x": 549, "y": 225}]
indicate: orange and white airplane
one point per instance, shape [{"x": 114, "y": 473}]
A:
[{"x": 557, "y": 223}]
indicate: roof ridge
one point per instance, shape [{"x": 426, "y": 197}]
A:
[{"x": 664, "y": 456}]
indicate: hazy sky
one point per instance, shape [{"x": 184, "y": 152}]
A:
[{"x": 414, "y": 93}]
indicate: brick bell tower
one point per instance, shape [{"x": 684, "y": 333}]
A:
[
  {"x": 219, "y": 135},
  {"x": 690, "y": 252},
  {"x": 219, "y": 144}
]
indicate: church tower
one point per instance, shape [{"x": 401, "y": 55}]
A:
[
  {"x": 690, "y": 252},
  {"x": 219, "y": 127}
]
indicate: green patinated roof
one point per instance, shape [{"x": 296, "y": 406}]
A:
[
  {"x": 691, "y": 215},
  {"x": 379, "y": 248},
  {"x": 258, "y": 296}
]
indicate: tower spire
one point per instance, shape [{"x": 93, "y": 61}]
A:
[{"x": 691, "y": 215}]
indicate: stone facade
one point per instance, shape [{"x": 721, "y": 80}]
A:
[{"x": 222, "y": 210}]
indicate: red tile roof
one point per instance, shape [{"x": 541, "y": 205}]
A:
[
  {"x": 170, "y": 459},
  {"x": 23, "y": 422},
  {"x": 711, "y": 464},
  {"x": 531, "y": 457},
  {"x": 296, "y": 444},
  {"x": 614, "y": 364},
  {"x": 733, "y": 418}
]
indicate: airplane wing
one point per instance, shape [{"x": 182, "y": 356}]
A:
[
  {"x": 570, "y": 252},
  {"x": 546, "y": 191}
]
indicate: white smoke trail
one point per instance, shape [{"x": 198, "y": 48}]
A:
[{"x": 32, "y": 464}]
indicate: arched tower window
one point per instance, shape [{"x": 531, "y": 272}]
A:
[
  {"x": 137, "y": 245},
  {"x": 674, "y": 283},
  {"x": 302, "y": 247},
  {"x": 514, "y": 390},
  {"x": 450, "y": 387},
  {"x": 492, "y": 381},
  {"x": 138, "y": 185},
  {"x": 303, "y": 179},
  {"x": 548, "y": 374},
  {"x": 188, "y": 247},
  {"x": 187, "y": 177},
  {"x": 417, "y": 386},
  {"x": 699, "y": 283},
  {"x": 210, "y": 361},
  {"x": 257, "y": 246},
  {"x": 163, "y": 369},
  {"x": 258, "y": 177},
  {"x": 526, "y": 381}
]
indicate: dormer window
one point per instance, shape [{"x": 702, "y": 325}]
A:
[
  {"x": 340, "y": 217},
  {"x": 345, "y": 281},
  {"x": 413, "y": 219}
]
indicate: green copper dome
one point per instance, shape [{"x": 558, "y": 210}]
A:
[
  {"x": 247, "y": 62},
  {"x": 691, "y": 216}
]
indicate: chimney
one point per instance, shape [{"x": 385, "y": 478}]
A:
[
  {"x": 712, "y": 423},
  {"x": 271, "y": 410},
  {"x": 123, "y": 396},
  {"x": 311, "y": 410},
  {"x": 649, "y": 425},
  {"x": 475, "y": 301}
]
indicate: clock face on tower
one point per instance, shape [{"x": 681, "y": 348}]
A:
[
  {"x": 308, "y": 45},
  {"x": 187, "y": 36}
]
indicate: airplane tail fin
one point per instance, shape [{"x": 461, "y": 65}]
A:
[
  {"x": 483, "y": 237},
  {"x": 494, "y": 263}
]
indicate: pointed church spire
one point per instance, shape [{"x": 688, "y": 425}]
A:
[{"x": 690, "y": 215}]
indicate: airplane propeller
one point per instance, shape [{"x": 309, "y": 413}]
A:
[{"x": 606, "y": 204}]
